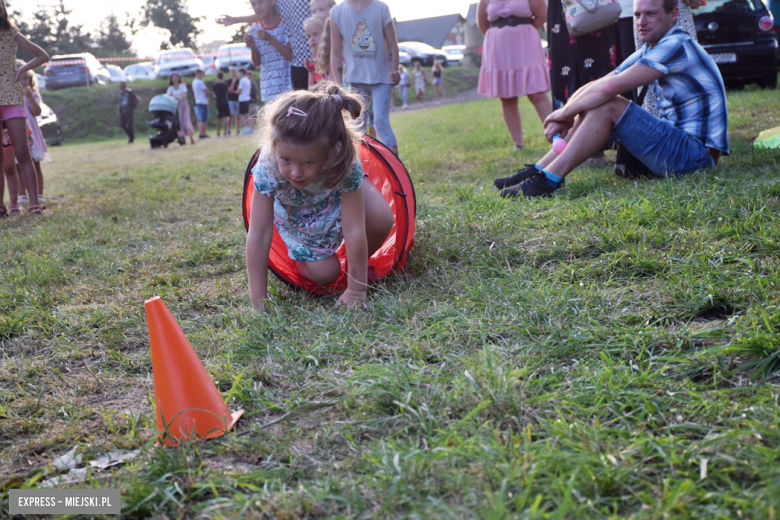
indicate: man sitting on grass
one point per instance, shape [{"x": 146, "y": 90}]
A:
[{"x": 691, "y": 133}]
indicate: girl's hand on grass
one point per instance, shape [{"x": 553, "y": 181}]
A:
[
  {"x": 352, "y": 298},
  {"x": 226, "y": 20}
]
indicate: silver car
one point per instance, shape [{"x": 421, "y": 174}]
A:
[
  {"x": 143, "y": 70},
  {"x": 184, "y": 62}
]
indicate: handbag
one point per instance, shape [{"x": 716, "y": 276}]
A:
[
  {"x": 626, "y": 165},
  {"x": 585, "y": 16}
]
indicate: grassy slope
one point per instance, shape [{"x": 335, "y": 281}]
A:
[
  {"x": 582, "y": 355},
  {"x": 90, "y": 114}
]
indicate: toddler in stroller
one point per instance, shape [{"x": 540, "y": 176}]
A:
[{"x": 164, "y": 128}]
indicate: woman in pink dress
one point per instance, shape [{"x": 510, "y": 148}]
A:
[
  {"x": 178, "y": 89},
  {"x": 513, "y": 63}
]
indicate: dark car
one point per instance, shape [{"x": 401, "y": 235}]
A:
[
  {"x": 423, "y": 53},
  {"x": 73, "y": 70},
  {"x": 50, "y": 126},
  {"x": 740, "y": 37}
]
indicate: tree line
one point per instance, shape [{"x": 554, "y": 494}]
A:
[{"x": 53, "y": 29}]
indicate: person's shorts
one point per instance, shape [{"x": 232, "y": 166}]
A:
[
  {"x": 658, "y": 144},
  {"x": 418, "y": 89},
  {"x": 223, "y": 111},
  {"x": 12, "y": 111},
  {"x": 437, "y": 81},
  {"x": 202, "y": 112},
  {"x": 233, "y": 105},
  {"x": 243, "y": 107}
]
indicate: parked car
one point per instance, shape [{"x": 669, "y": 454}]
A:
[
  {"x": 49, "y": 125},
  {"x": 117, "y": 74},
  {"x": 209, "y": 65},
  {"x": 236, "y": 55},
  {"x": 740, "y": 37},
  {"x": 72, "y": 70},
  {"x": 423, "y": 53},
  {"x": 41, "y": 81},
  {"x": 143, "y": 70},
  {"x": 454, "y": 53},
  {"x": 181, "y": 61},
  {"x": 404, "y": 58}
]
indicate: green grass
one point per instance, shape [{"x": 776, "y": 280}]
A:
[{"x": 611, "y": 352}]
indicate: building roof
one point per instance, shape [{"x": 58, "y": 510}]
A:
[
  {"x": 471, "y": 16},
  {"x": 433, "y": 31}
]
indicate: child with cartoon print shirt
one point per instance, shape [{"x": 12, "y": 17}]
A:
[{"x": 363, "y": 32}]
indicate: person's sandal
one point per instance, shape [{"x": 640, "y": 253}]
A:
[
  {"x": 3, "y": 211},
  {"x": 14, "y": 210},
  {"x": 34, "y": 210}
]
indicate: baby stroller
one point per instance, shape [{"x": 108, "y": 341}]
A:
[{"x": 165, "y": 125}]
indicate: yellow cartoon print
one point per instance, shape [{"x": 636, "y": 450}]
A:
[{"x": 363, "y": 41}]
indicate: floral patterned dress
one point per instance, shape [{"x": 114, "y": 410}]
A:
[
  {"x": 308, "y": 219},
  {"x": 573, "y": 62}
]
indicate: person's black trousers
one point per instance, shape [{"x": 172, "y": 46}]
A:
[
  {"x": 300, "y": 78},
  {"x": 126, "y": 122}
]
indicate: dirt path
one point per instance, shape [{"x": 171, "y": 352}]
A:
[{"x": 462, "y": 97}]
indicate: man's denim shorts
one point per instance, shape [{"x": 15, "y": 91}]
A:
[
  {"x": 658, "y": 144},
  {"x": 202, "y": 112},
  {"x": 233, "y": 107}
]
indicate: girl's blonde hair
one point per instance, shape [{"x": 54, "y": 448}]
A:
[
  {"x": 330, "y": 3},
  {"x": 315, "y": 20},
  {"x": 325, "y": 124},
  {"x": 323, "y": 52}
]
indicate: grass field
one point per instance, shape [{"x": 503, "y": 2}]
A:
[{"x": 611, "y": 352}]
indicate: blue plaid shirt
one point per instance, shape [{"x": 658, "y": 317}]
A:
[{"x": 691, "y": 93}]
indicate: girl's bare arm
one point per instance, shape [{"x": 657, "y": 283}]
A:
[
  {"x": 482, "y": 19},
  {"x": 40, "y": 56},
  {"x": 391, "y": 42},
  {"x": 35, "y": 108},
  {"x": 336, "y": 53},
  {"x": 258, "y": 246},
  {"x": 353, "y": 218},
  {"x": 539, "y": 10},
  {"x": 227, "y": 20}
]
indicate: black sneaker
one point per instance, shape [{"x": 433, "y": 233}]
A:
[
  {"x": 516, "y": 178},
  {"x": 539, "y": 185}
]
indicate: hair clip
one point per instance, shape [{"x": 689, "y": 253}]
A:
[
  {"x": 296, "y": 112},
  {"x": 337, "y": 98}
]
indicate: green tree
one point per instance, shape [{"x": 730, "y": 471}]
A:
[
  {"x": 111, "y": 39},
  {"x": 172, "y": 16},
  {"x": 238, "y": 37}
]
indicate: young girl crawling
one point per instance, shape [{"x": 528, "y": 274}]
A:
[{"x": 309, "y": 182}]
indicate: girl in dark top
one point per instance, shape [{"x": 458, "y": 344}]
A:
[
  {"x": 232, "y": 100},
  {"x": 438, "y": 72}
]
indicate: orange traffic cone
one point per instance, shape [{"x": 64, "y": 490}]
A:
[{"x": 188, "y": 402}]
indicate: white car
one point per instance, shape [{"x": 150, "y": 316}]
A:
[
  {"x": 209, "y": 65},
  {"x": 236, "y": 55},
  {"x": 404, "y": 58},
  {"x": 117, "y": 74},
  {"x": 454, "y": 53},
  {"x": 143, "y": 70},
  {"x": 183, "y": 62},
  {"x": 40, "y": 81}
]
